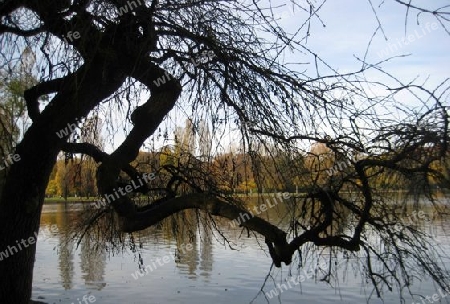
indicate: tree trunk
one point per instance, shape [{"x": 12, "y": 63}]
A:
[
  {"x": 23, "y": 193},
  {"x": 20, "y": 211}
]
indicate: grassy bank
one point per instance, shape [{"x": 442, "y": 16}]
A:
[{"x": 58, "y": 200}]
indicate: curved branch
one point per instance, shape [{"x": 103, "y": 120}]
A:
[
  {"x": 20, "y": 32},
  {"x": 146, "y": 119},
  {"x": 281, "y": 251},
  {"x": 87, "y": 149},
  {"x": 43, "y": 88},
  {"x": 100, "y": 156},
  {"x": 275, "y": 238}
]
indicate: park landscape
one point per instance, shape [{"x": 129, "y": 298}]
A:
[{"x": 158, "y": 151}]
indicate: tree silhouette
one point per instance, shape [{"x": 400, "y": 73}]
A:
[{"x": 225, "y": 56}]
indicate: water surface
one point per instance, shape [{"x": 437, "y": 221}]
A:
[{"x": 210, "y": 272}]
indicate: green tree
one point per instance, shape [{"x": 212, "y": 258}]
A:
[{"x": 12, "y": 104}]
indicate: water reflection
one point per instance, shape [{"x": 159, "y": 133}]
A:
[
  {"x": 92, "y": 258},
  {"x": 210, "y": 272},
  {"x": 93, "y": 263},
  {"x": 206, "y": 250}
]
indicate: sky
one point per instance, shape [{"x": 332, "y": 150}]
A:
[
  {"x": 350, "y": 25},
  {"x": 344, "y": 30}
]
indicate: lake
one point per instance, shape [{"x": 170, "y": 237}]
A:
[{"x": 196, "y": 267}]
